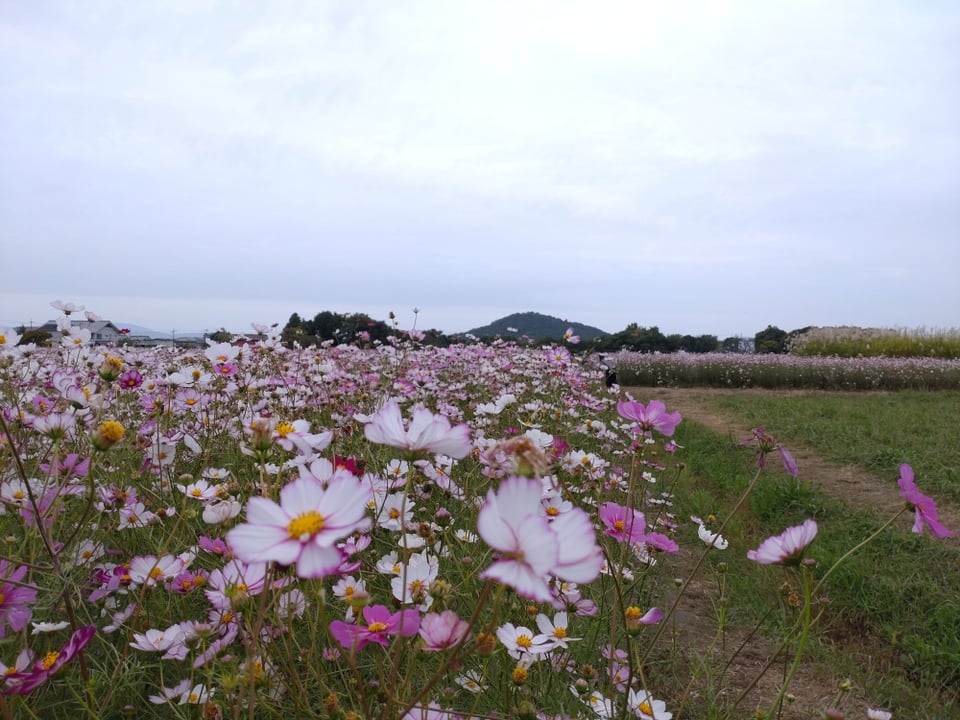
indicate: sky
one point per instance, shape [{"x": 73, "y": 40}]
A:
[{"x": 705, "y": 167}]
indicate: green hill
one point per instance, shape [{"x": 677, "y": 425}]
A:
[{"x": 536, "y": 325}]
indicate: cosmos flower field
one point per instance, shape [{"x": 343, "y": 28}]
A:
[{"x": 387, "y": 531}]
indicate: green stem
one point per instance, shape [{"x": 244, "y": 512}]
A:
[{"x": 454, "y": 654}]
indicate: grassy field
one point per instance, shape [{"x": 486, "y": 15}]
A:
[
  {"x": 875, "y": 431},
  {"x": 892, "y": 623}
]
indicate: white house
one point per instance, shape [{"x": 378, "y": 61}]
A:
[{"x": 102, "y": 332}]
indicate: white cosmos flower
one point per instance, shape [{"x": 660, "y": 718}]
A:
[{"x": 712, "y": 538}]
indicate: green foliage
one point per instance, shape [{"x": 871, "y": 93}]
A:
[
  {"x": 221, "y": 336},
  {"x": 770, "y": 340},
  {"x": 40, "y": 338}
]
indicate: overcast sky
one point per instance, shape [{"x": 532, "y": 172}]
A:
[{"x": 706, "y": 167}]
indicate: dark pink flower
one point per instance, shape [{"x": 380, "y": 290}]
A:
[
  {"x": 380, "y": 625},
  {"x": 622, "y": 523},
  {"x": 15, "y": 598},
  {"x": 649, "y": 417},
  {"x": 24, "y": 683},
  {"x": 925, "y": 509},
  {"x": 131, "y": 379}
]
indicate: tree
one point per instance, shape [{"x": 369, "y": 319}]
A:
[
  {"x": 221, "y": 336},
  {"x": 770, "y": 340},
  {"x": 737, "y": 344}
]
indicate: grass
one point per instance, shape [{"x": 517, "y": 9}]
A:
[
  {"x": 892, "y": 623},
  {"x": 874, "y": 431}
]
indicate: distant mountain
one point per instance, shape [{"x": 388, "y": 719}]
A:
[
  {"x": 140, "y": 330},
  {"x": 536, "y": 325}
]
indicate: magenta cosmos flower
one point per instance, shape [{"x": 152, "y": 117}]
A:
[
  {"x": 925, "y": 509},
  {"x": 786, "y": 547},
  {"x": 532, "y": 547},
  {"x": 15, "y": 598},
  {"x": 305, "y": 527},
  {"x": 427, "y": 432},
  {"x": 649, "y": 417},
  {"x": 622, "y": 523},
  {"x": 24, "y": 683},
  {"x": 380, "y": 625}
]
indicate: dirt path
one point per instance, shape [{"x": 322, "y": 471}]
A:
[{"x": 814, "y": 688}]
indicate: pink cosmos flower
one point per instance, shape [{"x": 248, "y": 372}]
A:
[
  {"x": 441, "y": 631},
  {"x": 305, "y": 527},
  {"x": 24, "y": 683},
  {"x": 531, "y": 547},
  {"x": 15, "y": 598},
  {"x": 427, "y": 432},
  {"x": 622, "y": 523},
  {"x": 380, "y": 625},
  {"x": 786, "y": 547},
  {"x": 925, "y": 509},
  {"x": 651, "y": 417}
]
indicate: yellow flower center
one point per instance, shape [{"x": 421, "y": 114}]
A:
[
  {"x": 349, "y": 590},
  {"x": 284, "y": 428},
  {"x": 524, "y": 641},
  {"x": 305, "y": 526},
  {"x": 112, "y": 431},
  {"x": 618, "y": 525},
  {"x": 560, "y": 633},
  {"x": 377, "y": 627},
  {"x": 520, "y": 675},
  {"x": 552, "y": 511},
  {"x": 2, "y": 598},
  {"x": 394, "y": 513},
  {"x": 196, "y": 374},
  {"x": 633, "y": 613},
  {"x": 3, "y": 339},
  {"x": 156, "y": 573},
  {"x": 49, "y": 659},
  {"x": 646, "y": 708},
  {"x": 190, "y": 401}
]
